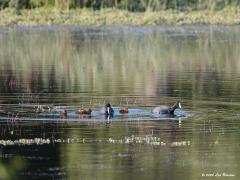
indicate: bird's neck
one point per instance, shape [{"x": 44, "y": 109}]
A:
[{"x": 172, "y": 109}]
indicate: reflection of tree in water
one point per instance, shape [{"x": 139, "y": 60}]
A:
[
  {"x": 37, "y": 82},
  {"x": 52, "y": 80},
  {"x": 8, "y": 81},
  {"x": 117, "y": 62}
]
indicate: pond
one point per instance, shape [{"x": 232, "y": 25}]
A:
[{"x": 45, "y": 70}]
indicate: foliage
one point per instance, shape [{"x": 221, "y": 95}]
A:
[
  {"x": 108, "y": 16},
  {"x": 3, "y": 3},
  {"x": 131, "y": 5}
]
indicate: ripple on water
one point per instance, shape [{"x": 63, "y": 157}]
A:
[{"x": 30, "y": 113}]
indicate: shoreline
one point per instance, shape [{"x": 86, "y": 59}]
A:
[{"x": 88, "y": 17}]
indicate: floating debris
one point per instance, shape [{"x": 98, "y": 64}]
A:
[
  {"x": 147, "y": 140},
  {"x": 151, "y": 140},
  {"x": 180, "y": 143},
  {"x": 37, "y": 141}
]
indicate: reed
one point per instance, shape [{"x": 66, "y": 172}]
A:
[
  {"x": 136, "y": 12},
  {"x": 108, "y": 16},
  {"x": 132, "y": 5}
]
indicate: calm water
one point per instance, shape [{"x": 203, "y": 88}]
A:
[{"x": 46, "y": 70}]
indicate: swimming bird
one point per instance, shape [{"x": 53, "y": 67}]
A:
[
  {"x": 166, "y": 109},
  {"x": 108, "y": 110},
  {"x": 83, "y": 111},
  {"x": 124, "y": 110}
]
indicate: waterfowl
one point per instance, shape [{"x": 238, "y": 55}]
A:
[
  {"x": 83, "y": 111},
  {"x": 166, "y": 109},
  {"x": 108, "y": 110},
  {"x": 124, "y": 110}
]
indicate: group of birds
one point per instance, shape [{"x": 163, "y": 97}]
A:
[{"x": 108, "y": 111}]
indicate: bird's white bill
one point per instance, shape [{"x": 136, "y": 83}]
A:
[{"x": 180, "y": 105}]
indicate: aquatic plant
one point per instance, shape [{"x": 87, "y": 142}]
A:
[
  {"x": 148, "y": 140},
  {"x": 36, "y": 141}
]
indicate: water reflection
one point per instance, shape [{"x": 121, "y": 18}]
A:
[
  {"x": 126, "y": 64},
  {"x": 56, "y": 68}
]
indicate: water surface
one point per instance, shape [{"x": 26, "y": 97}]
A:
[{"x": 59, "y": 68}]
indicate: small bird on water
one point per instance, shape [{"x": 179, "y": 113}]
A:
[
  {"x": 83, "y": 111},
  {"x": 124, "y": 110},
  {"x": 107, "y": 110}
]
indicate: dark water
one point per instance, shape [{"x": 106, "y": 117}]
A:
[{"x": 48, "y": 69}]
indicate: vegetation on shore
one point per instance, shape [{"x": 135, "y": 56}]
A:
[
  {"x": 110, "y": 12},
  {"x": 131, "y": 5},
  {"x": 112, "y": 16}
]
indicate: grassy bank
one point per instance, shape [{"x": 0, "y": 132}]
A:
[{"x": 109, "y": 16}]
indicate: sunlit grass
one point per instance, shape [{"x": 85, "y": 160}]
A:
[{"x": 47, "y": 16}]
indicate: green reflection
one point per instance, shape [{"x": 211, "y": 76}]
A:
[{"x": 135, "y": 63}]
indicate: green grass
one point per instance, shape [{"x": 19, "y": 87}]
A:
[{"x": 110, "y": 16}]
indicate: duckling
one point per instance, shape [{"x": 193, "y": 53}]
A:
[
  {"x": 83, "y": 111},
  {"x": 166, "y": 109},
  {"x": 124, "y": 110},
  {"x": 89, "y": 111},
  {"x": 80, "y": 111}
]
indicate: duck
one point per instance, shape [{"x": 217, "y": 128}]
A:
[
  {"x": 168, "y": 110},
  {"x": 124, "y": 110},
  {"x": 83, "y": 111},
  {"x": 108, "y": 110}
]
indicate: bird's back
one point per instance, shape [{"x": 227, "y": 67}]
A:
[{"x": 161, "y": 110}]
